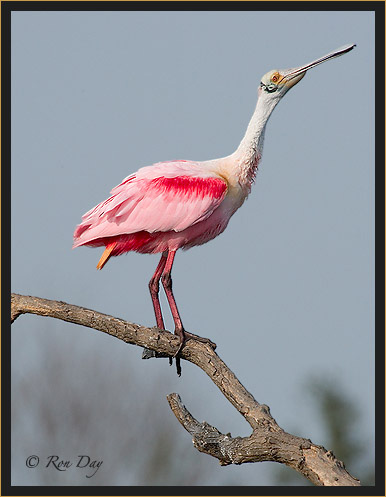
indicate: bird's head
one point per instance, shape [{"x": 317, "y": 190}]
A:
[{"x": 275, "y": 84}]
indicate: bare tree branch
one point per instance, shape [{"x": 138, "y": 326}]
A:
[
  {"x": 268, "y": 442},
  {"x": 265, "y": 444}
]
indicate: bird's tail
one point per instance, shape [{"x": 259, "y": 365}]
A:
[{"x": 106, "y": 255}]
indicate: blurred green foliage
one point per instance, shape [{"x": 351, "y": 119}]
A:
[{"x": 341, "y": 421}]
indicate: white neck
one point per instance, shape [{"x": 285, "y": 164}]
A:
[{"x": 248, "y": 154}]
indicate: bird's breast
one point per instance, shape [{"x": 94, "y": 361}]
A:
[
  {"x": 239, "y": 178},
  {"x": 236, "y": 195}
]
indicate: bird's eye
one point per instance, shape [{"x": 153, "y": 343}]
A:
[{"x": 275, "y": 77}]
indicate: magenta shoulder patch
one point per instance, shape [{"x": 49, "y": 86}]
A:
[{"x": 190, "y": 186}]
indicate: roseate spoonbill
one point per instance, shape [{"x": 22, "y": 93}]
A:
[{"x": 180, "y": 204}]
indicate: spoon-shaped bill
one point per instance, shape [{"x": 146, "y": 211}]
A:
[{"x": 331, "y": 55}]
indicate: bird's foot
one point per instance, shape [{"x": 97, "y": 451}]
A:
[
  {"x": 192, "y": 336},
  {"x": 184, "y": 336}
]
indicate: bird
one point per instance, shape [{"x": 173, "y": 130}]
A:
[{"x": 180, "y": 204}]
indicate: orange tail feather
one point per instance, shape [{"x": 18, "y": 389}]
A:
[{"x": 106, "y": 255}]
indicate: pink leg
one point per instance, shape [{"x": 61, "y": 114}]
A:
[
  {"x": 154, "y": 291},
  {"x": 167, "y": 284},
  {"x": 163, "y": 272}
]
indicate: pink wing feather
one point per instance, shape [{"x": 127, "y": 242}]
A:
[{"x": 163, "y": 197}]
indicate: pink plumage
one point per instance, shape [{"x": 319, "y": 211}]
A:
[
  {"x": 179, "y": 204},
  {"x": 159, "y": 208}
]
